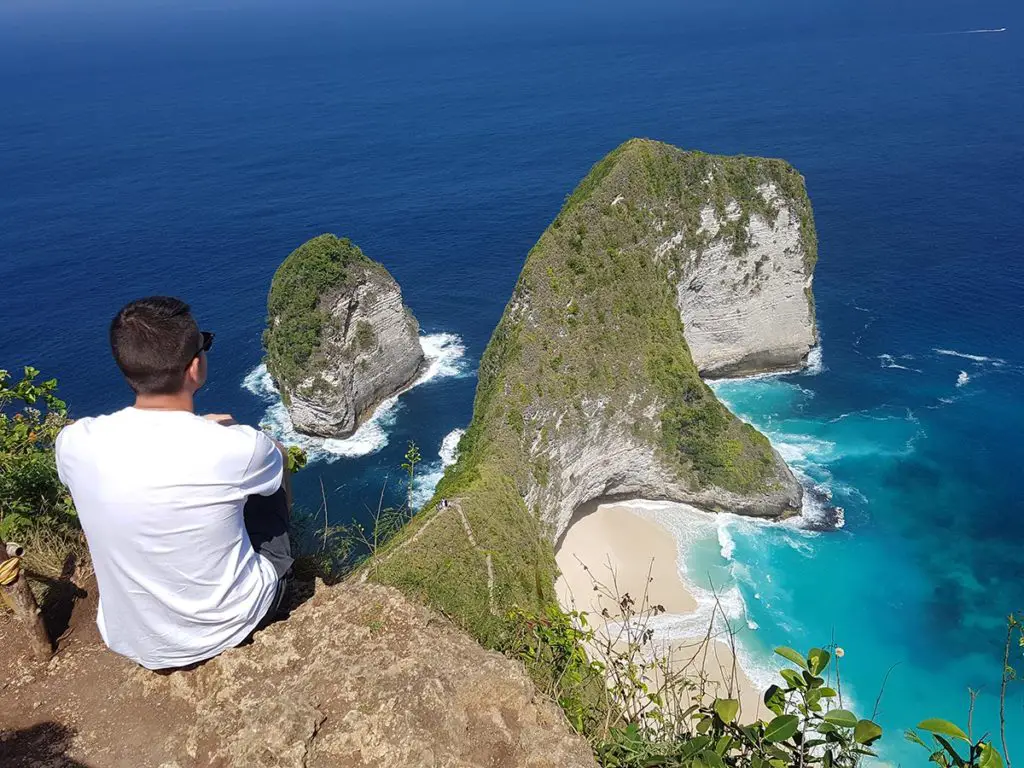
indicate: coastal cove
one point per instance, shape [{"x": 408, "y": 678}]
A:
[{"x": 445, "y": 146}]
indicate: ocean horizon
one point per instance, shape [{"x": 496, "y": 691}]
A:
[{"x": 188, "y": 148}]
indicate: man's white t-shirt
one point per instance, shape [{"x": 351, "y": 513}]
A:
[{"x": 160, "y": 495}]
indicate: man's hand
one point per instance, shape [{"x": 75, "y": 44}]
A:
[{"x": 224, "y": 419}]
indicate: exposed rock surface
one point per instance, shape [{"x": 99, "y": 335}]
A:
[
  {"x": 736, "y": 241},
  {"x": 610, "y": 462},
  {"x": 357, "y": 676},
  {"x": 588, "y": 389},
  {"x": 365, "y": 345},
  {"x": 749, "y": 313},
  {"x": 372, "y": 351}
]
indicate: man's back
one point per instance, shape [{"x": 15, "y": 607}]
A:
[{"x": 160, "y": 495}]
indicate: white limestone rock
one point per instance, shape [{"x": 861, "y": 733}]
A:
[
  {"x": 368, "y": 349},
  {"x": 750, "y": 312}
]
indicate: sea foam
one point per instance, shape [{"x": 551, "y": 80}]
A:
[
  {"x": 445, "y": 357},
  {"x": 720, "y": 606},
  {"x": 966, "y": 356},
  {"x": 815, "y": 362},
  {"x": 431, "y": 473}
]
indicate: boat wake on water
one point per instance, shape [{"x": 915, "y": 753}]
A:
[
  {"x": 997, "y": 361},
  {"x": 974, "y": 31}
]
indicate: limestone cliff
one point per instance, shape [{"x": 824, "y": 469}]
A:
[
  {"x": 588, "y": 388},
  {"x": 339, "y": 339},
  {"x": 744, "y": 277}
]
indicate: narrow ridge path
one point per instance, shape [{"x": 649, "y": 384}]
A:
[
  {"x": 487, "y": 555},
  {"x": 467, "y": 528}
]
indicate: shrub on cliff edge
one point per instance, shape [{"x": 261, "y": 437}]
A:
[{"x": 31, "y": 494}]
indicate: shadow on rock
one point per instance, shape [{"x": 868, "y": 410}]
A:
[{"x": 45, "y": 744}]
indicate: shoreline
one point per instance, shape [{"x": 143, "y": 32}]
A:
[
  {"x": 617, "y": 549},
  {"x": 443, "y": 356}
]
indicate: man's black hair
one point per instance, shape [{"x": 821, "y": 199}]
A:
[{"x": 154, "y": 340}]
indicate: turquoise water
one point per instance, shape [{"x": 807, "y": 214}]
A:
[{"x": 900, "y": 581}]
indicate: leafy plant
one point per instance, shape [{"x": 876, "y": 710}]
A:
[
  {"x": 807, "y": 728},
  {"x": 943, "y": 749},
  {"x": 297, "y": 458},
  {"x": 31, "y": 494},
  {"x": 412, "y": 458},
  {"x": 552, "y": 646}
]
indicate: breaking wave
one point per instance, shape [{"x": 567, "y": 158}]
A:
[
  {"x": 994, "y": 30},
  {"x": 445, "y": 358},
  {"x": 815, "y": 362},
  {"x": 726, "y": 543},
  {"x": 431, "y": 474},
  {"x": 720, "y": 606}
]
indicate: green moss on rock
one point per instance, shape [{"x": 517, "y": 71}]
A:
[{"x": 296, "y": 318}]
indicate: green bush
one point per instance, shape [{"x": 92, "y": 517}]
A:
[
  {"x": 552, "y": 646},
  {"x": 638, "y": 713},
  {"x": 31, "y": 494},
  {"x": 296, "y": 321}
]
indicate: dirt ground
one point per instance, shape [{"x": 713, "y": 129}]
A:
[{"x": 46, "y": 706}]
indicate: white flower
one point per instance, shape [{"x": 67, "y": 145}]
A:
[{"x": 840, "y": 653}]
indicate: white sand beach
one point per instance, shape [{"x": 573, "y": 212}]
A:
[{"x": 623, "y": 551}]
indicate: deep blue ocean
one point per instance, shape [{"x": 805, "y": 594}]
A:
[{"x": 186, "y": 148}]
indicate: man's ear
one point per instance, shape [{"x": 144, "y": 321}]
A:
[{"x": 195, "y": 374}]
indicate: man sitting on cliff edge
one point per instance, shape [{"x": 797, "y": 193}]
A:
[{"x": 186, "y": 516}]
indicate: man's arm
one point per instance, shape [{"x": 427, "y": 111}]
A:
[
  {"x": 286, "y": 473},
  {"x": 227, "y": 420},
  {"x": 260, "y": 463}
]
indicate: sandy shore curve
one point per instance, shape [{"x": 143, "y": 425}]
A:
[{"x": 619, "y": 550}]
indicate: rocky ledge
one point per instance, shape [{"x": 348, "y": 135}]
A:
[
  {"x": 357, "y": 676},
  {"x": 339, "y": 338}
]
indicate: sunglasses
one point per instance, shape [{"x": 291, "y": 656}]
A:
[{"x": 206, "y": 341}]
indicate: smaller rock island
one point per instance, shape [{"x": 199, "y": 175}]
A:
[{"x": 339, "y": 338}]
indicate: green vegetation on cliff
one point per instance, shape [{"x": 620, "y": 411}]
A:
[
  {"x": 297, "y": 318},
  {"x": 592, "y": 336},
  {"x": 32, "y": 498},
  {"x": 594, "y": 319}
]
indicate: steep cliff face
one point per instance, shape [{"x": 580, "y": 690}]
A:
[
  {"x": 588, "y": 388},
  {"x": 744, "y": 283},
  {"x": 339, "y": 338}
]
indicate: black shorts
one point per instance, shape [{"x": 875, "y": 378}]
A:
[{"x": 266, "y": 521}]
